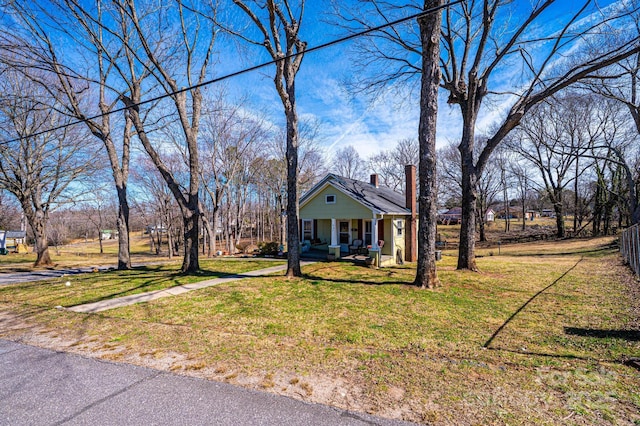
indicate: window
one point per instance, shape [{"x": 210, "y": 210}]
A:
[
  {"x": 399, "y": 224},
  {"x": 307, "y": 229},
  {"x": 367, "y": 233},
  {"x": 330, "y": 199}
]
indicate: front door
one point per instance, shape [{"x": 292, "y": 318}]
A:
[{"x": 344, "y": 235}]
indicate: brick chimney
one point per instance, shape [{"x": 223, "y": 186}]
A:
[
  {"x": 411, "y": 240},
  {"x": 374, "y": 180}
]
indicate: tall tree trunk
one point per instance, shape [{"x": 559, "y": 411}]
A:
[
  {"x": 505, "y": 197},
  {"x": 293, "y": 233},
  {"x": 560, "y": 223},
  {"x": 210, "y": 246},
  {"x": 170, "y": 240},
  {"x": 466, "y": 252},
  {"x": 190, "y": 263},
  {"x": 559, "y": 211},
  {"x": 124, "y": 249},
  {"x": 188, "y": 203},
  {"x": 576, "y": 199},
  {"x": 276, "y": 26},
  {"x": 481, "y": 226},
  {"x": 38, "y": 222},
  {"x": 214, "y": 226},
  {"x": 152, "y": 242},
  {"x": 430, "y": 27},
  {"x": 524, "y": 215}
]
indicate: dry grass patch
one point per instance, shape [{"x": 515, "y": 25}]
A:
[{"x": 534, "y": 338}]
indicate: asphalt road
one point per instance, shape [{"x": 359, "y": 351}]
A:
[
  {"x": 23, "y": 277},
  {"x": 43, "y": 387}
]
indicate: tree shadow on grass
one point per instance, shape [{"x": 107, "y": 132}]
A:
[
  {"x": 355, "y": 281},
  {"x": 521, "y": 308},
  {"x": 125, "y": 292},
  {"x": 546, "y": 354},
  {"x": 601, "y": 250},
  {"x": 628, "y": 335},
  {"x": 129, "y": 291}
]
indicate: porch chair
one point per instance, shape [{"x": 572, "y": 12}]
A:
[{"x": 355, "y": 246}]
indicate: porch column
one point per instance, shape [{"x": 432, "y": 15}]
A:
[
  {"x": 374, "y": 233},
  {"x": 334, "y": 233},
  {"x": 334, "y": 248},
  {"x": 374, "y": 252}
]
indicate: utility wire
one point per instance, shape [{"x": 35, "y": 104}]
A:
[{"x": 242, "y": 71}]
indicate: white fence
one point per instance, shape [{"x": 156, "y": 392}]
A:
[{"x": 630, "y": 247}]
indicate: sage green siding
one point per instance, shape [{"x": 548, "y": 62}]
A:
[
  {"x": 344, "y": 207},
  {"x": 347, "y": 209},
  {"x": 324, "y": 231},
  {"x": 399, "y": 239}
]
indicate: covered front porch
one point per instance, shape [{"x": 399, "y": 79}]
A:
[
  {"x": 354, "y": 239},
  {"x": 321, "y": 252}
]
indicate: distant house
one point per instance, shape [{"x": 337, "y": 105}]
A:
[
  {"x": 108, "y": 234},
  {"x": 490, "y": 216},
  {"x": 451, "y": 217},
  {"x": 150, "y": 229},
  {"x": 11, "y": 240},
  {"x": 548, "y": 213},
  {"x": 346, "y": 214}
]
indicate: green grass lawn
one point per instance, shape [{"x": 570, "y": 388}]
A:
[
  {"x": 539, "y": 336},
  {"x": 85, "y": 253},
  {"x": 93, "y": 287}
]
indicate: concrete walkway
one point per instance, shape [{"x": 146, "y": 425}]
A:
[
  {"x": 119, "y": 302},
  {"x": 43, "y": 387}
]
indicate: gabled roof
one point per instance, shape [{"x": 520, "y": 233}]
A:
[
  {"x": 14, "y": 234},
  {"x": 381, "y": 200},
  {"x": 455, "y": 211}
]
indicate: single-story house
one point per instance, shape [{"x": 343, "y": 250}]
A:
[
  {"x": 451, "y": 216},
  {"x": 346, "y": 214}
]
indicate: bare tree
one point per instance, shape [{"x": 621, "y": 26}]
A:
[
  {"x": 481, "y": 41},
  {"x": 468, "y": 73},
  {"x": 552, "y": 137},
  {"x": 278, "y": 23},
  {"x": 174, "y": 59},
  {"x": 162, "y": 207},
  {"x": 347, "y": 162},
  {"x": 311, "y": 167},
  {"x": 450, "y": 182},
  {"x": 621, "y": 82},
  {"x": 230, "y": 137},
  {"x": 37, "y": 165},
  {"x": 82, "y": 93},
  {"x": 523, "y": 181},
  {"x": 10, "y": 214},
  {"x": 389, "y": 164},
  {"x": 97, "y": 212}
]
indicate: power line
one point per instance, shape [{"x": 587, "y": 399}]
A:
[{"x": 243, "y": 71}]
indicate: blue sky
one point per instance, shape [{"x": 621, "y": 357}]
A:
[
  {"x": 368, "y": 126},
  {"x": 359, "y": 121}
]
